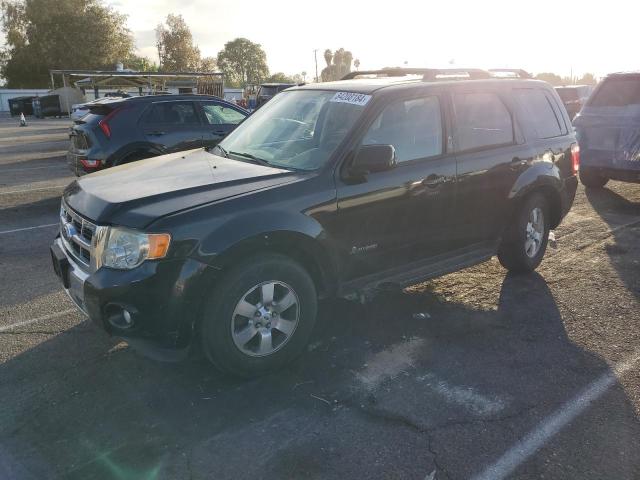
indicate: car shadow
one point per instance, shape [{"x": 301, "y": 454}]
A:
[{"x": 79, "y": 404}]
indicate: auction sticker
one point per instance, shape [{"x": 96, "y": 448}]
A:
[{"x": 350, "y": 97}]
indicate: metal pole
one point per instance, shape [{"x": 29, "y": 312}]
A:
[
  {"x": 66, "y": 96},
  {"x": 53, "y": 85},
  {"x": 315, "y": 56}
]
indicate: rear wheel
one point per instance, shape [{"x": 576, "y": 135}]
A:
[
  {"x": 591, "y": 178},
  {"x": 260, "y": 316},
  {"x": 525, "y": 241}
]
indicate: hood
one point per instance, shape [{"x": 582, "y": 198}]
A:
[{"x": 136, "y": 194}]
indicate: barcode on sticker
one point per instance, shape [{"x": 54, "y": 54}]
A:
[{"x": 350, "y": 97}]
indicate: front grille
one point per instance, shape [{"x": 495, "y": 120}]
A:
[{"x": 77, "y": 235}]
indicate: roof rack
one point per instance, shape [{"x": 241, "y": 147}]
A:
[
  {"x": 509, "y": 73},
  {"x": 434, "y": 74}
]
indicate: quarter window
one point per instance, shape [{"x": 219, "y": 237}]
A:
[
  {"x": 535, "y": 106},
  {"x": 217, "y": 114},
  {"x": 413, "y": 127},
  {"x": 481, "y": 120},
  {"x": 173, "y": 113}
]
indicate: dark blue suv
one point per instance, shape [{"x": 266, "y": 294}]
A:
[{"x": 608, "y": 131}]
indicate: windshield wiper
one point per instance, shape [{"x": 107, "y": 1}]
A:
[
  {"x": 253, "y": 158},
  {"x": 224, "y": 152}
]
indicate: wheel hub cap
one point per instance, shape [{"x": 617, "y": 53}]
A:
[
  {"x": 535, "y": 232},
  {"x": 265, "y": 318}
]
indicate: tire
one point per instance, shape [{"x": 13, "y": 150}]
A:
[
  {"x": 235, "y": 340},
  {"x": 520, "y": 251},
  {"x": 591, "y": 179}
]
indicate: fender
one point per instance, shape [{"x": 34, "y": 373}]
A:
[
  {"x": 281, "y": 231},
  {"x": 540, "y": 176}
]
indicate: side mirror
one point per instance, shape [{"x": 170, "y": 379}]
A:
[{"x": 373, "y": 159}]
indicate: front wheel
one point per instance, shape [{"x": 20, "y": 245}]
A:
[
  {"x": 592, "y": 179},
  {"x": 260, "y": 317},
  {"x": 525, "y": 241}
]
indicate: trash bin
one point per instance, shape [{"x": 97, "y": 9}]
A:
[{"x": 18, "y": 105}]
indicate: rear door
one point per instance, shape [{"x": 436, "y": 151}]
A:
[
  {"x": 219, "y": 119},
  {"x": 490, "y": 155},
  {"x": 172, "y": 126},
  {"x": 404, "y": 214}
]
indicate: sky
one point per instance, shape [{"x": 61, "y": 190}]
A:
[{"x": 543, "y": 35}]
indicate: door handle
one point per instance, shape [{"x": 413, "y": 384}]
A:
[
  {"x": 220, "y": 132},
  {"x": 433, "y": 181}
]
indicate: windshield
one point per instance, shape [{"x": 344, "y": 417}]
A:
[{"x": 298, "y": 129}]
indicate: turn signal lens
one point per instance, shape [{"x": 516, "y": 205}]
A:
[{"x": 158, "y": 245}]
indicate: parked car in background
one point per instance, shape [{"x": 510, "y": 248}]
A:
[
  {"x": 574, "y": 97},
  {"x": 332, "y": 189},
  {"x": 123, "y": 130},
  {"x": 608, "y": 130},
  {"x": 269, "y": 90}
]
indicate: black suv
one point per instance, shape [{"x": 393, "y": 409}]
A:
[
  {"x": 329, "y": 189},
  {"x": 268, "y": 90},
  {"x": 127, "y": 129}
]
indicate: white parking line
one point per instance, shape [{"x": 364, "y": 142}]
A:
[
  {"x": 534, "y": 440},
  {"x": 25, "y": 169},
  {"x": 24, "y": 323},
  {"x": 52, "y": 187},
  {"x": 28, "y": 228}
]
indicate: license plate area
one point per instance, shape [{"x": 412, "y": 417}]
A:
[{"x": 61, "y": 265}]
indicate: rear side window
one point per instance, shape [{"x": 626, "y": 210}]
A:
[
  {"x": 217, "y": 114},
  {"x": 617, "y": 92},
  {"x": 481, "y": 120},
  {"x": 173, "y": 113},
  {"x": 535, "y": 106},
  {"x": 413, "y": 127}
]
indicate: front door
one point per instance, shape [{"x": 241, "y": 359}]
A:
[
  {"x": 172, "y": 126},
  {"x": 401, "y": 215}
]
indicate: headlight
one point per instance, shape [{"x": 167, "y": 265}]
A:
[{"x": 125, "y": 249}]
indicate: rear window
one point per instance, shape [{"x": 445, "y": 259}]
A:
[
  {"x": 536, "y": 106},
  {"x": 268, "y": 91},
  {"x": 568, "y": 94},
  {"x": 617, "y": 92},
  {"x": 481, "y": 120}
]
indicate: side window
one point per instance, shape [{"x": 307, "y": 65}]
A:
[
  {"x": 172, "y": 113},
  {"x": 535, "y": 106},
  {"x": 413, "y": 127},
  {"x": 217, "y": 114},
  {"x": 481, "y": 120}
]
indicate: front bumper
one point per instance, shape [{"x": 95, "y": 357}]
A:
[{"x": 163, "y": 299}]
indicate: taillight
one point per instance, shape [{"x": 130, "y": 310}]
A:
[
  {"x": 575, "y": 158},
  {"x": 88, "y": 163},
  {"x": 104, "y": 123}
]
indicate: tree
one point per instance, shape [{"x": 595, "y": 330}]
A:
[
  {"x": 279, "y": 77},
  {"x": 43, "y": 35},
  {"x": 551, "y": 78},
  {"x": 243, "y": 62},
  {"x": 208, "y": 64},
  {"x": 176, "y": 50},
  {"x": 587, "y": 79},
  {"x": 338, "y": 64},
  {"x": 140, "y": 64}
]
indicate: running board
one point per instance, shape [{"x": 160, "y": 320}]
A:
[{"x": 417, "y": 272}]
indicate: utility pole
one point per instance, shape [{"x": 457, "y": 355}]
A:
[{"x": 315, "y": 56}]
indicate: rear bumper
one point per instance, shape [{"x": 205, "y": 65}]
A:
[
  {"x": 604, "y": 163},
  {"x": 74, "y": 162},
  {"x": 163, "y": 299}
]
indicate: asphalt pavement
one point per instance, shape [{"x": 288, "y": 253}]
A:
[{"x": 475, "y": 375}]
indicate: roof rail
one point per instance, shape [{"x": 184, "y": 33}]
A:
[
  {"x": 387, "y": 72},
  {"x": 509, "y": 73},
  {"x": 428, "y": 74}
]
